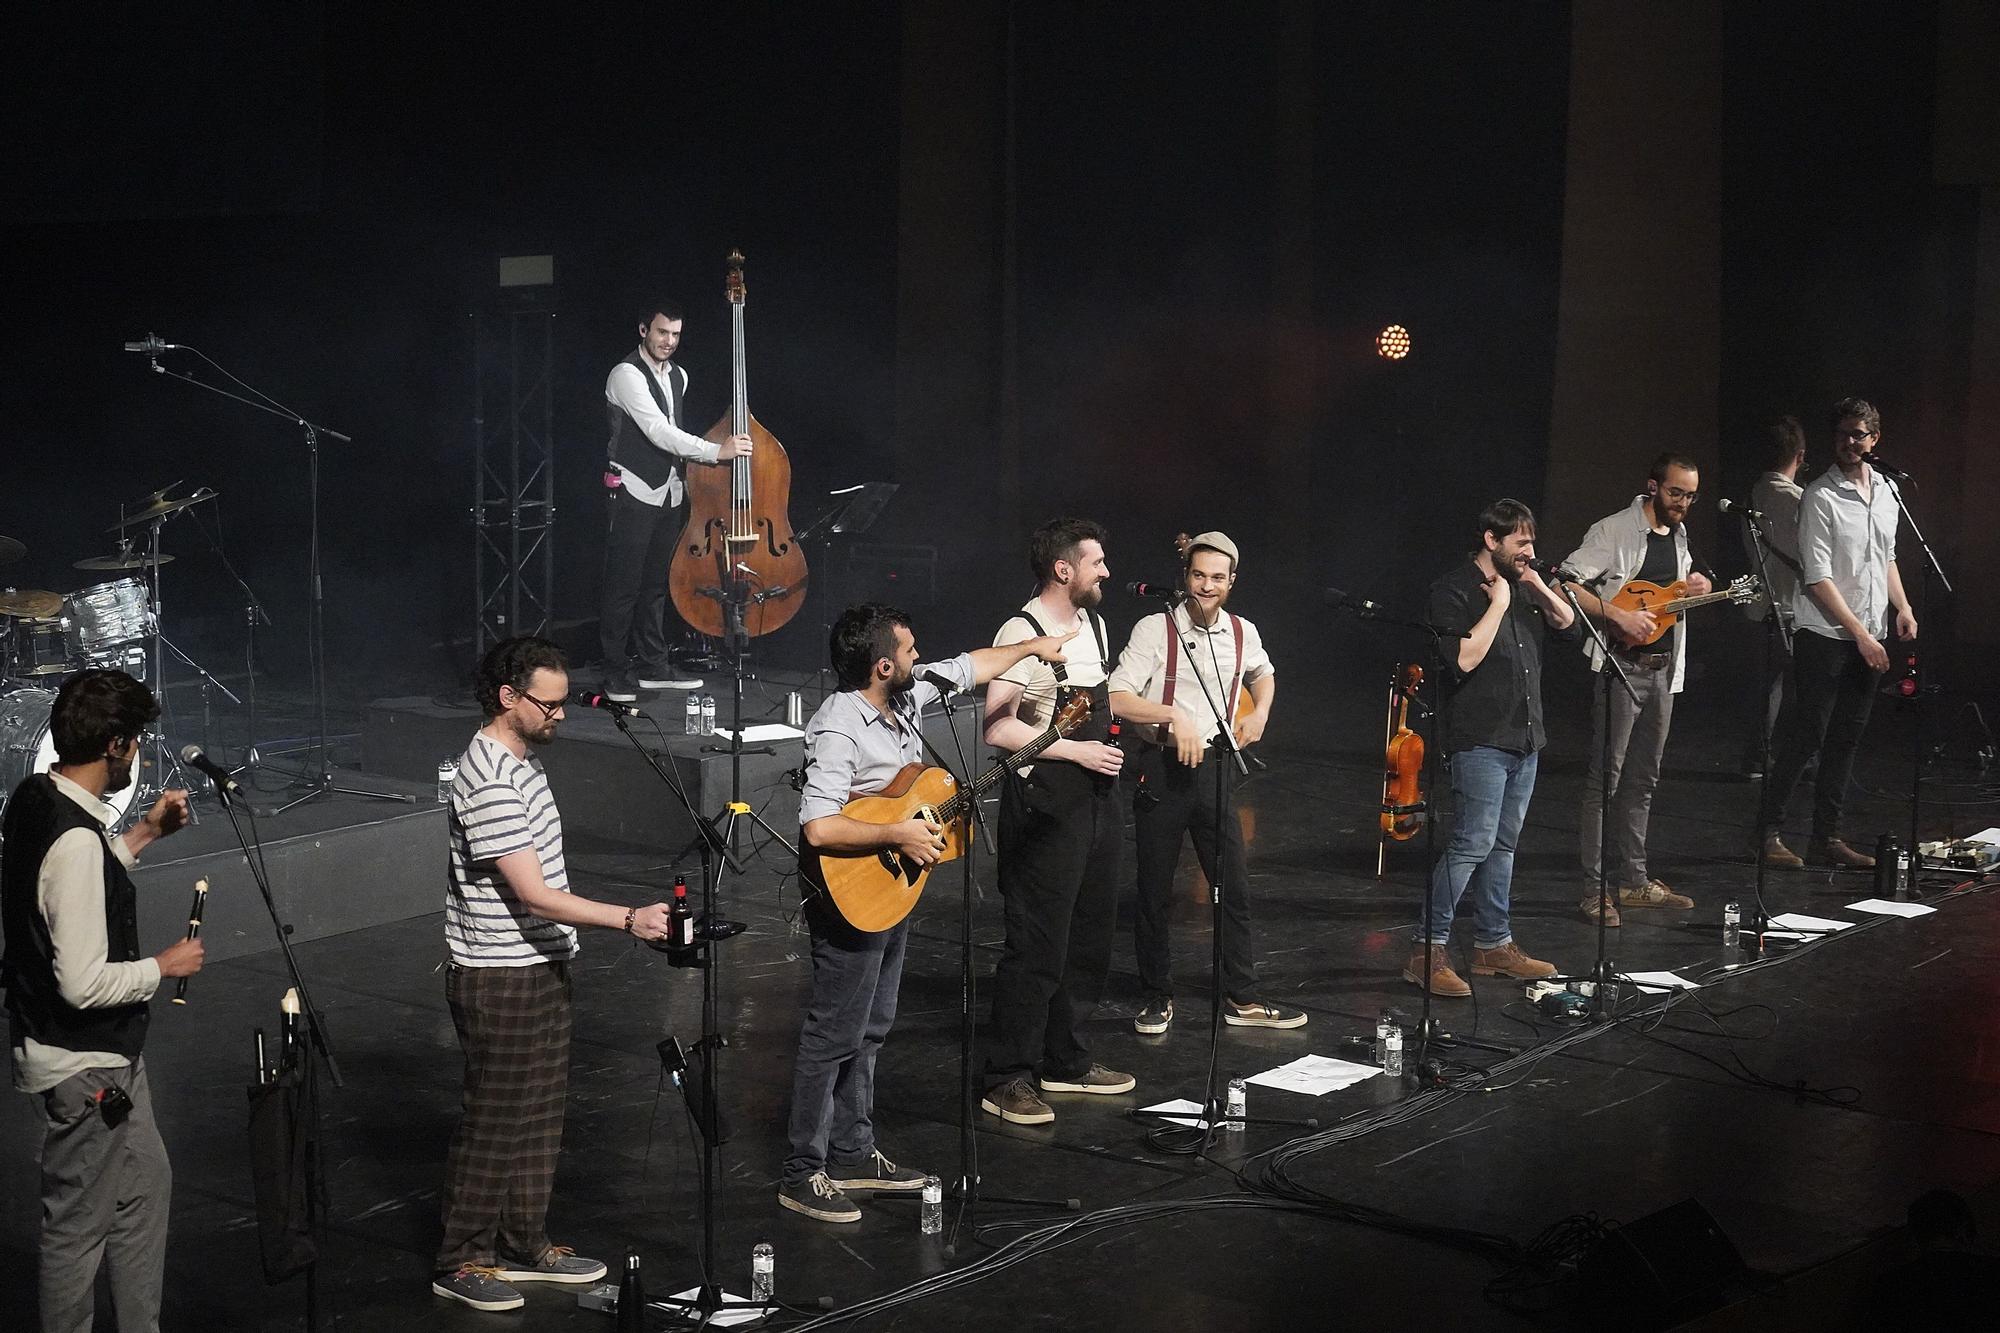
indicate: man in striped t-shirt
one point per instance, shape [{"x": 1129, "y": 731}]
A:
[{"x": 510, "y": 922}]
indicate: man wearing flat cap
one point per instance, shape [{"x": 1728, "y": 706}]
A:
[{"x": 1183, "y": 672}]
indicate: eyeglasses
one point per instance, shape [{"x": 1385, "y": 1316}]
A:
[
  {"x": 548, "y": 706},
  {"x": 1677, "y": 495},
  {"x": 1857, "y": 435}
]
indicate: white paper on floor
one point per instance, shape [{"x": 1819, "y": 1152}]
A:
[
  {"x": 762, "y": 731},
  {"x": 735, "y": 1309},
  {"x": 1184, "y": 1112},
  {"x": 1661, "y": 981},
  {"x": 1800, "y": 921},
  {"x": 1314, "y": 1075},
  {"x": 1883, "y": 907}
]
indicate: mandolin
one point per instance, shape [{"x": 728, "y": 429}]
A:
[
  {"x": 1669, "y": 603},
  {"x": 876, "y": 888}
]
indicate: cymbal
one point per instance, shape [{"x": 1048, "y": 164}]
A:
[
  {"x": 29, "y": 603},
  {"x": 159, "y": 509},
  {"x": 11, "y": 550},
  {"x": 133, "y": 561}
]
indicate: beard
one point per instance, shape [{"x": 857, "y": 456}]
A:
[
  {"x": 117, "y": 775},
  {"x": 1508, "y": 570},
  {"x": 1088, "y": 600},
  {"x": 902, "y": 684},
  {"x": 542, "y": 735}
]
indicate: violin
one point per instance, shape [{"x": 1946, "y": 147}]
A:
[
  {"x": 738, "y": 560},
  {"x": 1403, "y": 805}
]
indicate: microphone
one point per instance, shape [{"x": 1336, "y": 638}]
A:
[
  {"x": 1336, "y": 598},
  {"x": 192, "y": 756},
  {"x": 596, "y": 699},
  {"x": 194, "y": 932},
  {"x": 152, "y": 346},
  {"x": 1553, "y": 569},
  {"x": 1887, "y": 468},
  {"x": 942, "y": 684},
  {"x": 1729, "y": 506},
  {"x": 1164, "y": 592}
]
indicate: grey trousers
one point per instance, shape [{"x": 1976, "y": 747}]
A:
[
  {"x": 105, "y": 1194},
  {"x": 1638, "y": 741}
]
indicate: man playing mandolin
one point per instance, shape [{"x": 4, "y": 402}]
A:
[
  {"x": 855, "y": 745},
  {"x": 1644, "y": 543}
]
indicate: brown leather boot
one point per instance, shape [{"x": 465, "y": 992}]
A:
[
  {"x": 1509, "y": 961},
  {"x": 1773, "y": 852},
  {"x": 1834, "y": 852},
  {"x": 1444, "y": 982}
]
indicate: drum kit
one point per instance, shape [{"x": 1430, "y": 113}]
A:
[{"x": 44, "y": 636}]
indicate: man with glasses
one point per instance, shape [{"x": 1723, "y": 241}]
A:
[
  {"x": 1849, "y": 584},
  {"x": 510, "y": 924},
  {"x": 1645, "y": 541}
]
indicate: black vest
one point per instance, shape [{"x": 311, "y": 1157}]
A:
[
  {"x": 37, "y": 815},
  {"x": 629, "y": 447}
]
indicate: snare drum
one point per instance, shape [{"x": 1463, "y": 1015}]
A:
[
  {"x": 110, "y": 623},
  {"x": 33, "y": 648},
  {"x": 26, "y": 748}
]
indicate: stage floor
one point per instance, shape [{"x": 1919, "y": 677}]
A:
[{"x": 1802, "y": 1104}]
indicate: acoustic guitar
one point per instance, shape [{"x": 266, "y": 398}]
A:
[
  {"x": 876, "y": 888},
  {"x": 1669, "y": 603}
]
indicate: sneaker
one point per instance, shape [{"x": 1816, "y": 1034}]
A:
[
  {"x": 479, "y": 1287},
  {"x": 559, "y": 1263},
  {"x": 1652, "y": 894},
  {"x": 1444, "y": 982},
  {"x": 619, "y": 687},
  {"x": 1257, "y": 1014},
  {"x": 1773, "y": 852},
  {"x": 878, "y": 1173},
  {"x": 1097, "y": 1079},
  {"x": 663, "y": 676},
  {"x": 1589, "y": 907},
  {"x": 1834, "y": 852},
  {"x": 1155, "y": 1018},
  {"x": 1509, "y": 961},
  {"x": 1016, "y": 1102},
  {"x": 820, "y": 1199}
]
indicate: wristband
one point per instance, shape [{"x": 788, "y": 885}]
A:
[{"x": 630, "y": 914}]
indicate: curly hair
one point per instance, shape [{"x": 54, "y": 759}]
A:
[
  {"x": 863, "y": 636},
  {"x": 514, "y": 662},
  {"x": 96, "y": 707}
]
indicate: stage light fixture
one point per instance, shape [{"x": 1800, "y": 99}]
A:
[{"x": 1393, "y": 343}]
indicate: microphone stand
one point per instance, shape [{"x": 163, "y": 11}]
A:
[
  {"x": 1929, "y": 567},
  {"x": 1781, "y": 629},
  {"x": 322, "y": 1044}
]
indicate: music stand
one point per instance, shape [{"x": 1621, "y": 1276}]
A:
[{"x": 853, "y": 512}]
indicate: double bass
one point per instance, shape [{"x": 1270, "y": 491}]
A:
[{"x": 737, "y": 550}]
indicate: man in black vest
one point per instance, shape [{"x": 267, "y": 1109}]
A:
[
  {"x": 76, "y": 1001},
  {"x": 647, "y": 459}
]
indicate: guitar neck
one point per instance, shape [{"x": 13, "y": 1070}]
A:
[
  {"x": 984, "y": 782},
  {"x": 1688, "y": 603}
]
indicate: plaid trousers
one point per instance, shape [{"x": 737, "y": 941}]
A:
[{"x": 514, "y": 1024}]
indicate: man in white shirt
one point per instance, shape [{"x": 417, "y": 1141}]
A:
[
  {"x": 648, "y": 455},
  {"x": 77, "y": 993},
  {"x": 1181, "y": 673},
  {"x": 1850, "y": 587},
  {"x": 1061, "y": 838},
  {"x": 1775, "y": 495}
]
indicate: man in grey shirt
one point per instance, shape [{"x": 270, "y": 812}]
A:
[{"x": 1775, "y": 495}]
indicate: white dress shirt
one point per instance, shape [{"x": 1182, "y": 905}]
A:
[
  {"x": 626, "y": 388},
  {"x": 1850, "y": 540},
  {"x": 1210, "y": 650}
]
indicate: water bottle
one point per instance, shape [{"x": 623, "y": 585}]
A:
[
  {"x": 693, "y": 714},
  {"x": 447, "y": 774},
  {"x": 1239, "y": 1104},
  {"x": 763, "y": 1272},
  {"x": 931, "y": 1220},
  {"x": 1392, "y": 1053},
  {"x": 795, "y": 710},
  {"x": 708, "y": 715},
  {"x": 1732, "y": 927},
  {"x": 631, "y": 1297},
  {"x": 1382, "y": 1026},
  {"x": 1905, "y": 885}
]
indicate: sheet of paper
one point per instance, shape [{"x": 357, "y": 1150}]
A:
[
  {"x": 1986, "y": 835},
  {"x": 1662, "y": 981},
  {"x": 1184, "y": 1112},
  {"x": 1800, "y": 921},
  {"x": 735, "y": 1309},
  {"x": 1883, "y": 907},
  {"x": 1314, "y": 1075},
  {"x": 763, "y": 731}
]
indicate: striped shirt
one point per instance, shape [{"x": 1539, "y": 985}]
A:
[{"x": 501, "y": 804}]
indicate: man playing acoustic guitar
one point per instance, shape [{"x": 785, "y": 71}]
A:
[
  {"x": 1645, "y": 541},
  {"x": 855, "y": 745}
]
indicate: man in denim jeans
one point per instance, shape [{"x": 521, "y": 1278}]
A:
[{"x": 1494, "y": 611}]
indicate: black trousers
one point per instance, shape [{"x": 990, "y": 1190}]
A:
[
  {"x": 1061, "y": 841},
  {"x": 1171, "y": 800},
  {"x": 632, "y": 606},
  {"x": 1833, "y": 692}
]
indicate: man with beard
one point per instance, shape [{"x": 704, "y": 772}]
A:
[
  {"x": 1060, "y": 838},
  {"x": 510, "y": 925},
  {"x": 1493, "y": 612},
  {"x": 77, "y": 990},
  {"x": 855, "y": 745},
  {"x": 1849, "y": 584},
  {"x": 1179, "y": 674},
  {"x": 1646, "y": 540}
]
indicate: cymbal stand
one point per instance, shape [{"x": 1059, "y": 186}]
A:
[{"x": 167, "y": 764}]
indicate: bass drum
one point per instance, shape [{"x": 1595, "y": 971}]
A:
[{"x": 26, "y": 748}]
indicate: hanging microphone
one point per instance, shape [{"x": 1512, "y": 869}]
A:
[
  {"x": 597, "y": 699},
  {"x": 1163, "y": 591},
  {"x": 192, "y": 756},
  {"x": 194, "y": 932},
  {"x": 1729, "y": 506},
  {"x": 152, "y": 346},
  {"x": 1336, "y": 598}
]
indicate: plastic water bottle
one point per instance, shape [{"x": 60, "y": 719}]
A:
[
  {"x": 1392, "y": 1052},
  {"x": 693, "y": 714},
  {"x": 447, "y": 774},
  {"x": 1238, "y": 1105},
  {"x": 1732, "y": 927},
  {"x": 763, "y": 1272},
  {"x": 1382, "y": 1026},
  {"x": 931, "y": 1220},
  {"x": 708, "y": 715}
]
